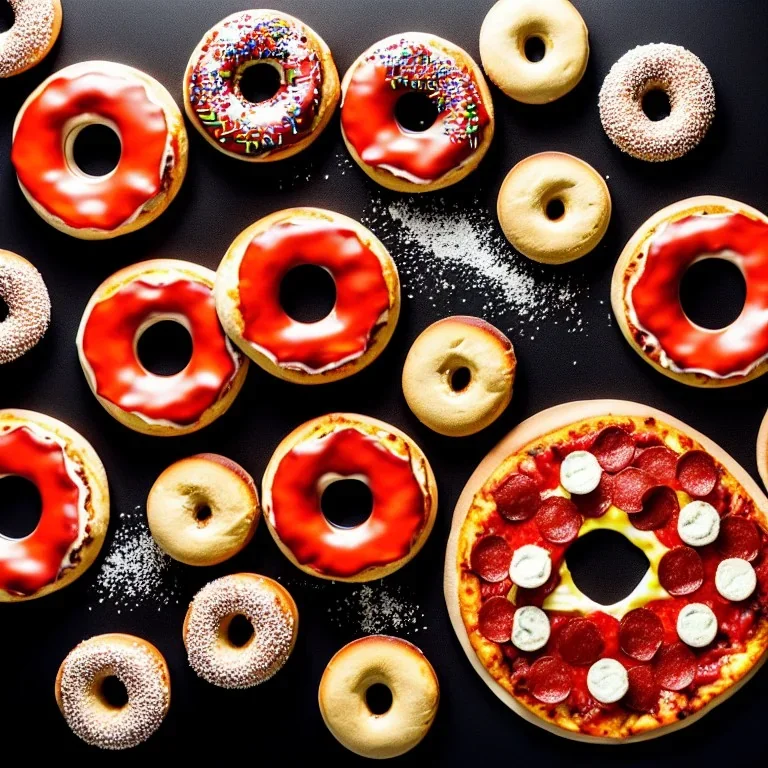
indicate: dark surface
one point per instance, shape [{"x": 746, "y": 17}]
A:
[{"x": 220, "y": 197}]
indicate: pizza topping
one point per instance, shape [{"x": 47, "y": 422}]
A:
[
  {"x": 641, "y": 634},
  {"x": 614, "y": 449},
  {"x": 517, "y": 497},
  {"x": 549, "y": 680},
  {"x": 735, "y": 579},
  {"x": 739, "y": 537},
  {"x": 531, "y": 566},
  {"x": 660, "y": 505},
  {"x": 495, "y": 620},
  {"x": 681, "y": 571},
  {"x": 558, "y": 520},
  {"x": 629, "y": 489},
  {"x": 675, "y": 667},
  {"x": 580, "y": 473},
  {"x": 698, "y": 524},
  {"x": 644, "y": 691},
  {"x": 580, "y": 642},
  {"x": 491, "y": 558},
  {"x": 697, "y": 473},
  {"x": 530, "y": 629},
  {"x": 696, "y": 625},
  {"x": 607, "y": 680},
  {"x": 660, "y": 462},
  {"x": 597, "y": 502}
]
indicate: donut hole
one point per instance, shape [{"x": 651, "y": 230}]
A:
[
  {"x": 113, "y": 692},
  {"x": 164, "y": 348},
  {"x": 203, "y": 515},
  {"x": 347, "y": 502},
  {"x": 259, "y": 82},
  {"x": 606, "y": 566},
  {"x": 96, "y": 150},
  {"x": 656, "y": 104},
  {"x": 4, "y": 311},
  {"x": 307, "y": 293},
  {"x": 416, "y": 111},
  {"x": 378, "y": 698},
  {"x": 7, "y": 16},
  {"x": 239, "y": 630},
  {"x": 534, "y": 48},
  {"x": 713, "y": 292},
  {"x": 21, "y": 507},
  {"x": 460, "y": 378},
  {"x": 555, "y": 209}
]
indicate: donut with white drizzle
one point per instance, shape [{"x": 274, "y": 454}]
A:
[{"x": 35, "y": 30}]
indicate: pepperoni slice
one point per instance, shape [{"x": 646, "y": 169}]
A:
[
  {"x": 596, "y": 503},
  {"x": 580, "y": 642},
  {"x": 641, "y": 634},
  {"x": 495, "y": 620},
  {"x": 629, "y": 488},
  {"x": 738, "y": 537},
  {"x": 660, "y": 462},
  {"x": 549, "y": 680},
  {"x": 675, "y": 667},
  {"x": 536, "y": 595},
  {"x": 614, "y": 449},
  {"x": 697, "y": 473},
  {"x": 517, "y": 497},
  {"x": 558, "y": 520},
  {"x": 644, "y": 691},
  {"x": 491, "y": 557},
  {"x": 660, "y": 505},
  {"x": 681, "y": 571}
]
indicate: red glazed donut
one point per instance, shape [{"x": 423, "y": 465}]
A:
[
  {"x": 336, "y": 447},
  {"x": 121, "y": 309},
  {"x": 153, "y": 159},
  {"x": 367, "y": 295}
]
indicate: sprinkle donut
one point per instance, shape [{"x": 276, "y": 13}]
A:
[
  {"x": 272, "y": 614},
  {"x": 141, "y": 669},
  {"x": 35, "y": 30},
  {"x": 29, "y": 306},
  {"x": 279, "y": 126},
  {"x": 431, "y": 157},
  {"x": 153, "y": 159},
  {"x": 688, "y": 86}
]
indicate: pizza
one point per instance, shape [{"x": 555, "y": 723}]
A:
[{"x": 688, "y": 634}]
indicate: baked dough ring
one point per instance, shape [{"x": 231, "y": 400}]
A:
[
  {"x": 525, "y": 211},
  {"x": 435, "y": 358},
  {"x": 506, "y": 29},
  {"x": 384, "y": 660},
  {"x": 35, "y": 30}
]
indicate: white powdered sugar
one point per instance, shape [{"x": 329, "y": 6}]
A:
[{"x": 374, "y": 609}]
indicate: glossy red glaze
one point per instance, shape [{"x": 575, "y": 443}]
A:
[
  {"x": 33, "y": 562},
  {"x": 109, "y": 348},
  {"x": 362, "y": 295},
  {"x": 86, "y": 202},
  {"x": 399, "y": 514},
  {"x": 730, "y": 351}
]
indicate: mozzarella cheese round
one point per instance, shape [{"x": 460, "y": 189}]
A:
[
  {"x": 607, "y": 680},
  {"x": 698, "y": 524},
  {"x": 696, "y": 625},
  {"x": 735, "y": 579},
  {"x": 580, "y": 473},
  {"x": 530, "y": 628},
  {"x": 531, "y": 566}
]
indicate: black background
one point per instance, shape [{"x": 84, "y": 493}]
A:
[{"x": 280, "y": 720}]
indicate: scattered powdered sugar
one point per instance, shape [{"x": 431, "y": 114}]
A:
[
  {"x": 135, "y": 571},
  {"x": 377, "y": 608}
]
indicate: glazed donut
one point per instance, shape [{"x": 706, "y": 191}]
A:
[
  {"x": 75, "y": 505},
  {"x": 272, "y": 614},
  {"x": 510, "y": 24},
  {"x": 762, "y": 450},
  {"x": 407, "y": 160},
  {"x": 35, "y": 30},
  {"x": 349, "y": 446},
  {"x": 459, "y": 344},
  {"x": 553, "y": 207},
  {"x": 153, "y": 159},
  {"x": 142, "y": 670},
  {"x": 646, "y": 283},
  {"x": 203, "y": 510},
  {"x": 279, "y": 126},
  {"x": 367, "y": 305},
  {"x": 122, "y": 308},
  {"x": 29, "y": 307},
  {"x": 379, "y": 660},
  {"x": 688, "y": 86}
]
